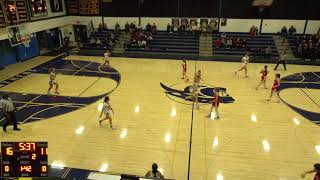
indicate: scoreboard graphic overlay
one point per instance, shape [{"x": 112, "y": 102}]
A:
[{"x": 24, "y": 159}]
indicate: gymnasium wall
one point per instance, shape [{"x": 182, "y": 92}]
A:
[{"x": 240, "y": 25}]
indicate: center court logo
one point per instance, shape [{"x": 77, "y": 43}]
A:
[{"x": 178, "y": 92}]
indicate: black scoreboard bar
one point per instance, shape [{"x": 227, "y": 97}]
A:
[{"x": 24, "y": 159}]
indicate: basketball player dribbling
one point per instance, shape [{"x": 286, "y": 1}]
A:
[
  {"x": 215, "y": 104},
  {"x": 264, "y": 73},
  {"x": 52, "y": 80},
  {"x": 106, "y": 59},
  {"x": 245, "y": 60},
  {"x": 106, "y": 111},
  {"x": 275, "y": 88},
  {"x": 194, "y": 89},
  {"x": 184, "y": 70}
]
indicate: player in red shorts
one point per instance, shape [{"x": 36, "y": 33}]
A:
[
  {"x": 264, "y": 73},
  {"x": 215, "y": 104},
  {"x": 184, "y": 70},
  {"x": 275, "y": 87},
  {"x": 316, "y": 169}
]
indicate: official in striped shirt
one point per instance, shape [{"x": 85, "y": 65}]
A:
[{"x": 9, "y": 111}]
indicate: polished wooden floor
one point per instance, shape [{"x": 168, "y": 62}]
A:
[{"x": 272, "y": 146}]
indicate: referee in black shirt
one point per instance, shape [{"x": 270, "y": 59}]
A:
[{"x": 9, "y": 111}]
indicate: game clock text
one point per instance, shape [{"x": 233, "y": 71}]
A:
[{"x": 24, "y": 159}]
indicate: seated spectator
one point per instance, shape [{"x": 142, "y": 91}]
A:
[
  {"x": 284, "y": 32},
  {"x": 104, "y": 27},
  {"x": 194, "y": 28},
  {"x": 154, "y": 172},
  {"x": 100, "y": 28},
  {"x": 154, "y": 28},
  {"x": 229, "y": 43},
  {"x": 267, "y": 52},
  {"x": 127, "y": 27},
  {"x": 253, "y": 31},
  {"x": 117, "y": 27},
  {"x": 292, "y": 31},
  {"x": 132, "y": 27},
  {"x": 168, "y": 27},
  {"x": 98, "y": 42},
  {"x": 92, "y": 41},
  {"x": 139, "y": 27},
  {"x": 148, "y": 27},
  {"x": 217, "y": 43}
]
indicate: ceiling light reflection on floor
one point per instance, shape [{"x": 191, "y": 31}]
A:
[
  {"x": 219, "y": 176},
  {"x": 167, "y": 138},
  {"x": 80, "y": 130},
  {"x": 100, "y": 106},
  {"x": 137, "y": 109},
  {"x": 317, "y": 148},
  {"x": 104, "y": 168},
  {"x": 253, "y": 118},
  {"x": 124, "y": 133},
  {"x": 266, "y": 145},
  {"x": 296, "y": 121},
  {"x": 173, "y": 112},
  {"x": 215, "y": 142}
]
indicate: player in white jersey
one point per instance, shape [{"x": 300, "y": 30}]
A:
[
  {"x": 245, "y": 60},
  {"x": 106, "y": 111},
  {"x": 106, "y": 59},
  {"x": 52, "y": 80},
  {"x": 194, "y": 92}
]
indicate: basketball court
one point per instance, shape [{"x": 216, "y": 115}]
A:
[{"x": 253, "y": 139}]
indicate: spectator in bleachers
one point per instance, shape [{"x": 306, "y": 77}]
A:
[
  {"x": 284, "y": 32},
  {"x": 194, "y": 28},
  {"x": 154, "y": 28},
  {"x": 132, "y": 27},
  {"x": 253, "y": 31},
  {"x": 168, "y": 28},
  {"x": 217, "y": 43},
  {"x": 154, "y": 173},
  {"x": 100, "y": 28},
  {"x": 267, "y": 52},
  {"x": 139, "y": 27},
  {"x": 98, "y": 42},
  {"x": 92, "y": 41},
  {"x": 292, "y": 31},
  {"x": 105, "y": 27},
  {"x": 223, "y": 39},
  {"x": 117, "y": 27},
  {"x": 229, "y": 43},
  {"x": 127, "y": 27},
  {"x": 148, "y": 27}
]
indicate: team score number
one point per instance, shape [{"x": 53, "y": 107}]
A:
[
  {"x": 27, "y": 146},
  {"x": 9, "y": 151},
  {"x": 44, "y": 151},
  {"x": 26, "y": 169},
  {"x": 6, "y": 168},
  {"x": 44, "y": 168}
]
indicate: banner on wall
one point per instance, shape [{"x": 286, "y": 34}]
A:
[
  {"x": 56, "y": 5},
  {"x": 223, "y": 21},
  {"x": 176, "y": 22},
  {"x": 2, "y": 17}
]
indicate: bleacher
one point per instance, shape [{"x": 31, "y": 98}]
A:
[
  {"x": 102, "y": 36},
  {"x": 164, "y": 42},
  {"x": 292, "y": 41},
  {"x": 253, "y": 42}
]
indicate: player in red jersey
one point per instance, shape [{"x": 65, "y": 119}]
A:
[
  {"x": 275, "y": 87},
  {"x": 264, "y": 73},
  {"x": 215, "y": 104},
  {"x": 184, "y": 70},
  {"x": 316, "y": 169}
]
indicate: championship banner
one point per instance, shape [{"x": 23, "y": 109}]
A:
[{"x": 38, "y": 8}]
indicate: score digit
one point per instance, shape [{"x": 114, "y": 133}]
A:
[
  {"x": 9, "y": 151},
  {"x": 33, "y": 156},
  {"x": 6, "y": 168},
  {"x": 44, "y": 151},
  {"x": 44, "y": 168}
]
